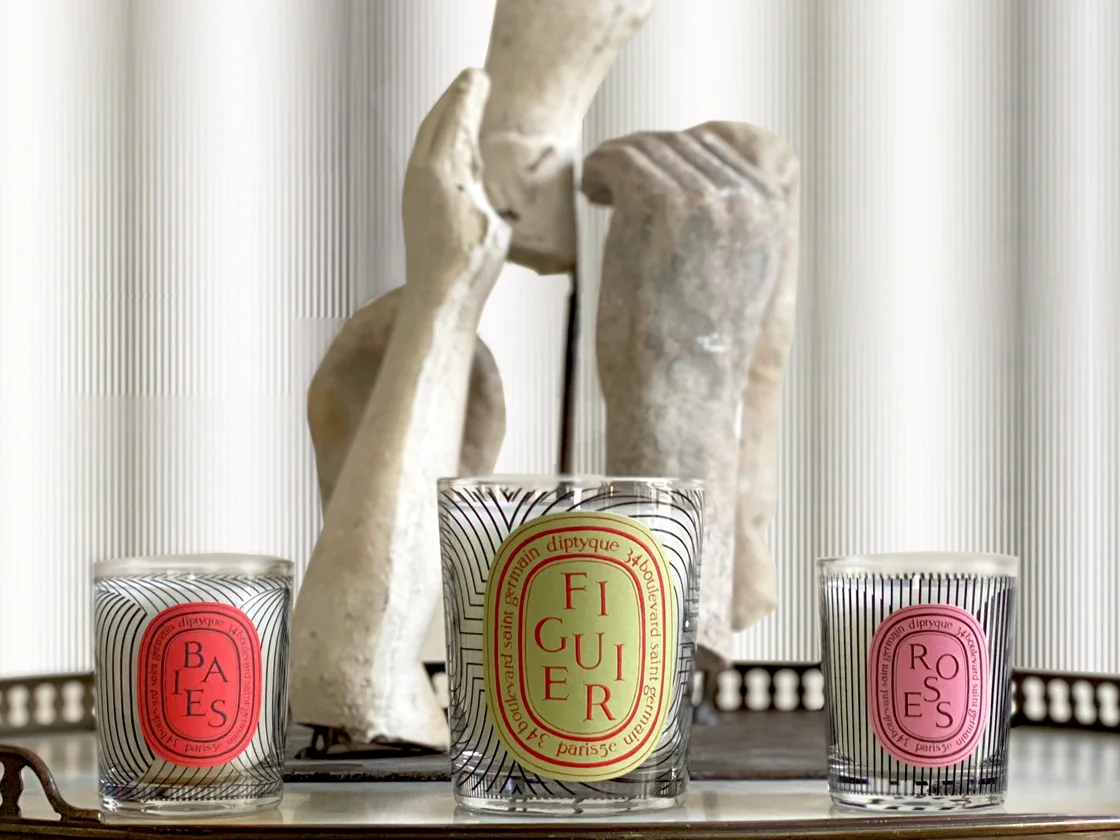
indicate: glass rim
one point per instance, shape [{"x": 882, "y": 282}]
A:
[
  {"x": 197, "y": 564},
  {"x": 921, "y": 562},
  {"x": 549, "y": 481}
]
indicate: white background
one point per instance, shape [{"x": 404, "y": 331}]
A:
[{"x": 194, "y": 195}]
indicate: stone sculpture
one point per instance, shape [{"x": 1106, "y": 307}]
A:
[
  {"x": 695, "y": 310},
  {"x": 340, "y": 390},
  {"x": 546, "y": 61},
  {"x": 694, "y": 327},
  {"x": 373, "y": 583},
  {"x": 754, "y": 593}
]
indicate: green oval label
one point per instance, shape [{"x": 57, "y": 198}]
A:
[{"x": 580, "y": 643}]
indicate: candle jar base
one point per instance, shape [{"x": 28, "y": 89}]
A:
[
  {"x": 917, "y": 803},
  {"x": 644, "y": 789},
  {"x": 555, "y": 807},
  {"x": 119, "y": 810},
  {"x": 944, "y": 789}
]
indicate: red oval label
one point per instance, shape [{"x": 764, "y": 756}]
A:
[
  {"x": 928, "y": 684},
  {"x": 200, "y": 684}
]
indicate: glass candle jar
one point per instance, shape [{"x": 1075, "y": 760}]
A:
[
  {"x": 191, "y": 674},
  {"x": 916, "y": 654},
  {"x": 570, "y": 609}
]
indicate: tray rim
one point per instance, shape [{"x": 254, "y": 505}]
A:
[{"x": 896, "y": 827}]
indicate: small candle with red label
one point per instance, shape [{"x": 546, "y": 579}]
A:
[
  {"x": 190, "y": 683},
  {"x": 916, "y": 654}
]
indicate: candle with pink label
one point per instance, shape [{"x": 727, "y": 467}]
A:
[
  {"x": 571, "y": 621},
  {"x": 916, "y": 653},
  {"x": 191, "y": 683}
]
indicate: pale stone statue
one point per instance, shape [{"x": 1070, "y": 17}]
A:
[
  {"x": 340, "y": 390},
  {"x": 373, "y": 584},
  {"x": 694, "y": 324},
  {"x": 387, "y": 405},
  {"x": 694, "y": 327},
  {"x": 546, "y": 59},
  {"x": 755, "y": 587}
]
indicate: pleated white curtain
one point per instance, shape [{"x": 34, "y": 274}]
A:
[
  {"x": 955, "y": 380},
  {"x": 194, "y": 195}
]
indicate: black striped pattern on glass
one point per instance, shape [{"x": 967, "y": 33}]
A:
[
  {"x": 852, "y": 607},
  {"x": 473, "y": 523},
  {"x": 129, "y": 770}
]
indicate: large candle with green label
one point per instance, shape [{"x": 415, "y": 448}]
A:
[{"x": 571, "y": 614}]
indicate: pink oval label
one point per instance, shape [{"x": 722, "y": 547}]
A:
[{"x": 928, "y": 684}]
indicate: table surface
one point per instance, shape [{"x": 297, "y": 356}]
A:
[{"x": 1053, "y": 772}]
